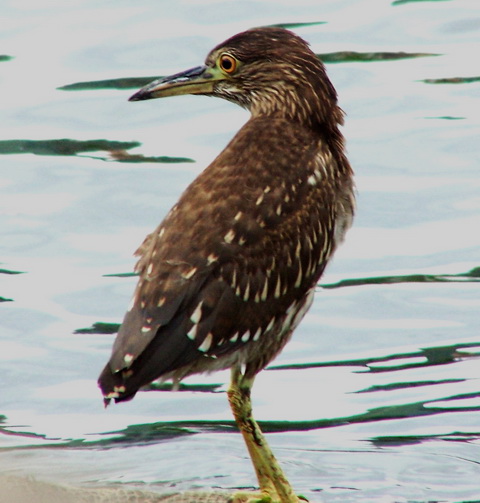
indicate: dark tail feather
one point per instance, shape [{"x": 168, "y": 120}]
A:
[
  {"x": 165, "y": 353},
  {"x": 114, "y": 385}
]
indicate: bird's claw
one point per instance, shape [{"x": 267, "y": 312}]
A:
[{"x": 258, "y": 497}]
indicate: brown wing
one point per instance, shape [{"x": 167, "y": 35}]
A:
[{"x": 229, "y": 260}]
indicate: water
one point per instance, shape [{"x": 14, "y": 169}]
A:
[{"x": 377, "y": 397}]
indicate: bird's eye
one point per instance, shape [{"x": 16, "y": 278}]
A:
[{"x": 227, "y": 63}]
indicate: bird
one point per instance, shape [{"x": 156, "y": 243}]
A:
[{"x": 229, "y": 273}]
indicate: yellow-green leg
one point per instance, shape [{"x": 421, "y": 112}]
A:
[{"x": 274, "y": 486}]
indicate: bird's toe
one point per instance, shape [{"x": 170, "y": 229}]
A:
[{"x": 262, "y": 497}]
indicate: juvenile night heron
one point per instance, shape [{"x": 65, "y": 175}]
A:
[{"x": 232, "y": 269}]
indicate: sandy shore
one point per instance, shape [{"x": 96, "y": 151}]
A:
[{"x": 24, "y": 489}]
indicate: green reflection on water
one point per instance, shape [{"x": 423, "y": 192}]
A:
[
  {"x": 62, "y": 146},
  {"x": 399, "y": 440},
  {"x": 471, "y": 276},
  {"x": 289, "y": 26},
  {"x": 366, "y": 57},
  {"x": 446, "y": 117},
  {"x": 117, "y": 150},
  {"x": 6, "y": 299},
  {"x": 439, "y": 355},
  {"x": 99, "y": 327},
  {"x": 121, "y": 83},
  {"x": 160, "y": 431},
  {"x": 401, "y": 2},
  {"x": 8, "y": 271},
  {"x": 452, "y": 80}
]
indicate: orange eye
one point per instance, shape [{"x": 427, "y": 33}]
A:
[{"x": 227, "y": 63}]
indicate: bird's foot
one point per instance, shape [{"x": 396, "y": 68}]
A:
[
  {"x": 262, "y": 497},
  {"x": 249, "y": 497}
]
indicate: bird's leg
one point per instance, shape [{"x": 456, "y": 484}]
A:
[{"x": 274, "y": 486}]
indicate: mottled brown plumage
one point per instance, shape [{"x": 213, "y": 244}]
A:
[{"x": 231, "y": 270}]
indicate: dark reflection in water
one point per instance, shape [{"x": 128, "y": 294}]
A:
[
  {"x": 368, "y": 57},
  {"x": 472, "y": 275},
  {"x": 291, "y": 26},
  {"x": 452, "y": 80},
  {"x": 117, "y": 150},
  {"x": 402, "y": 2},
  {"x": 432, "y": 356},
  {"x": 9, "y": 272},
  {"x": 62, "y": 146},
  {"x": 443, "y": 355},
  {"x": 99, "y": 327},
  {"x": 121, "y": 83}
]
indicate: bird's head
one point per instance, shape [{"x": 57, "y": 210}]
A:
[{"x": 269, "y": 71}]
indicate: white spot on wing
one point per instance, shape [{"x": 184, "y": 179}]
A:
[
  {"x": 246, "y": 336},
  {"x": 206, "y": 344},
  {"x": 188, "y": 274},
  {"x": 278, "y": 288},
  {"x": 197, "y": 314},
  {"x": 309, "y": 243},
  {"x": 298, "y": 282},
  {"x": 246, "y": 295},
  {"x": 257, "y": 334},
  {"x": 320, "y": 227},
  {"x": 298, "y": 250},
  {"x": 192, "y": 333},
  {"x": 265, "y": 290},
  {"x": 128, "y": 359},
  {"x": 234, "y": 337},
  {"x": 212, "y": 258},
  {"x": 270, "y": 325},
  {"x": 229, "y": 236}
]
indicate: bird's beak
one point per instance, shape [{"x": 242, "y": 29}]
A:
[{"x": 198, "y": 80}]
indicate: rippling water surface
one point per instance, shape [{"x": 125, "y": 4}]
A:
[{"x": 377, "y": 397}]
